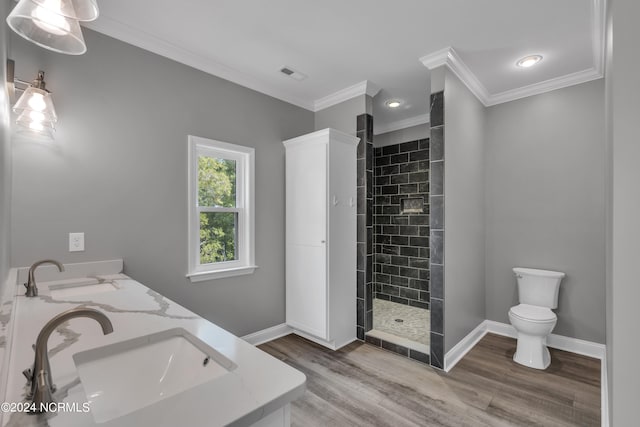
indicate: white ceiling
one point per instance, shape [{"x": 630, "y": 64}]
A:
[{"x": 339, "y": 44}]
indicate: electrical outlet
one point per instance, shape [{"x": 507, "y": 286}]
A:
[{"x": 76, "y": 242}]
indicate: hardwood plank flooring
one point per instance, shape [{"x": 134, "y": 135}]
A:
[{"x": 363, "y": 385}]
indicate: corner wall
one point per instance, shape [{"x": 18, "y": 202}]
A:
[
  {"x": 464, "y": 223},
  {"x": 609, "y": 205},
  {"x": 545, "y": 203},
  {"x": 117, "y": 171},
  {"x": 5, "y": 154},
  {"x": 625, "y": 292},
  {"x": 343, "y": 116}
]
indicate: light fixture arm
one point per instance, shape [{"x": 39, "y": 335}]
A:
[{"x": 38, "y": 82}]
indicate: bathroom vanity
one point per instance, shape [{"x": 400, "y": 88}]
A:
[{"x": 161, "y": 366}]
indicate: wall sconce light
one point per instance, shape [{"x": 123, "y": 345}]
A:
[
  {"x": 53, "y": 24},
  {"x": 35, "y": 110}
]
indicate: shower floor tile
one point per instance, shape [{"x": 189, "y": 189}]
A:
[{"x": 412, "y": 332}]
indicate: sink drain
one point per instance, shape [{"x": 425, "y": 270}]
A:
[{"x": 399, "y": 320}]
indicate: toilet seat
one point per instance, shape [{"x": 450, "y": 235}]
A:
[{"x": 533, "y": 313}]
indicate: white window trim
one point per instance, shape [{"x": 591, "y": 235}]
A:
[{"x": 245, "y": 176}]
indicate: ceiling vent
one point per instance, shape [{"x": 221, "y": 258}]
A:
[{"x": 296, "y": 75}]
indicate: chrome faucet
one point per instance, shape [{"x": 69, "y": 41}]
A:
[
  {"x": 32, "y": 289},
  {"x": 39, "y": 377}
]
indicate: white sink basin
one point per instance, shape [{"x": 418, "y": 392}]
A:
[
  {"x": 78, "y": 287},
  {"x": 123, "y": 377}
]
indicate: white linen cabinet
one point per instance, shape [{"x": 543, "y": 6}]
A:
[{"x": 321, "y": 209}]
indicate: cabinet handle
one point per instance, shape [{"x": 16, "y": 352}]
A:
[{"x": 323, "y": 241}]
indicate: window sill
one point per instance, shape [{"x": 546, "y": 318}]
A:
[{"x": 219, "y": 274}]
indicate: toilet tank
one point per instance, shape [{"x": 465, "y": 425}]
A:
[{"x": 538, "y": 287}]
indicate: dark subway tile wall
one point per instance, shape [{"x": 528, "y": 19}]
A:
[
  {"x": 365, "y": 237},
  {"x": 437, "y": 109},
  {"x": 436, "y": 223},
  {"x": 401, "y": 224}
]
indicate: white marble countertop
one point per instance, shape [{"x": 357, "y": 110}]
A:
[{"x": 259, "y": 385}]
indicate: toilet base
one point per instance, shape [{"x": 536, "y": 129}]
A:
[{"x": 532, "y": 351}]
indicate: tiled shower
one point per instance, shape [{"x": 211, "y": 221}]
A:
[
  {"x": 401, "y": 223},
  {"x": 401, "y": 241},
  {"x": 401, "y": 248}
]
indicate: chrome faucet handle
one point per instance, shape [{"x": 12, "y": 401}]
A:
[
  {"x": 32, "y": 289},
  {"x": 40, "y": 378},
  {"x": 28, "y": 373}
]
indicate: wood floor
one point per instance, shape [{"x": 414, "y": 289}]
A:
[{"x": 362, "y": 385}]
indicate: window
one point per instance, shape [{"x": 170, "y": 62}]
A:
[{"x": 221, "y": 209}]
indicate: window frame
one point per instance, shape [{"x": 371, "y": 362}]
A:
[{"x": 245, "y": 207}]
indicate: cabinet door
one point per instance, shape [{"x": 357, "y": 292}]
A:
[
  {"x": 306, "y": 183},
  {"x": 307, "y": 289},
  {"x": 306, "y": 177}
]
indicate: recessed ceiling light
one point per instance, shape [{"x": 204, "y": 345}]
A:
[
  {"x": 394, "y": 103},
  {"x": 529, "y": 61}
]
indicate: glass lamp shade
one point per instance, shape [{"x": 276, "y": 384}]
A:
[
  {"x": 28, "y": 125},
  {"x": 80, "y": 10},
  {"x": 47, "y": 27},
  {"x": 36, "y": 114},
  {"x": 37, "y": 104}
]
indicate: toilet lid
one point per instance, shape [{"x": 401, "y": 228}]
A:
[{"x": 533, "y": 312}]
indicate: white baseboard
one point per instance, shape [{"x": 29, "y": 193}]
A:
[
  {"x": 604, "y": 390},
  {"x": 560, "y": 342},
  {"x": 499, "y": 328},
  {"x": 573, "y": 345},
  {"x": 329, "y": 344},
  {"x": 277, "y": 331},
  {"x": 269, "y": 334},
  {"x": 459, "y": 350}
]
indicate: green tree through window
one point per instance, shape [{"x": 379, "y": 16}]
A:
[{"x": 217, "y": 189}]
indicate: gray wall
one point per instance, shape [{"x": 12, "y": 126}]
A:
[
  {"x": 5, "y": 155},
  {"x": 609, "y": 203},
  {"x": 464, "y": 262},
  {"x": 399, "y": 136},
  {"x": 343, "y": 116},
  {"x": 118, "y": 172},
  {"x": 626, "y": 211},
  {"x": 545, "y": 202}
]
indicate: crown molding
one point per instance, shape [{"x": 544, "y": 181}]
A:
[
  {"x": 121, "y": 31},
  {"x": 447, "y": 57},
  {"x": 363, "y": 88},
  {"x": 450, "y": 58},
  {"x": 400, "y": 124},
  {"x": 436, "y": 59},
  {"x": 545, "y": 86}
]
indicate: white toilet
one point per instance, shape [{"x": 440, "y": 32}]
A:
[{"x": 533, "y": 318}]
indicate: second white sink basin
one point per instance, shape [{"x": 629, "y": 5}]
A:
[
  {"x": 79, "y": 287},
  {"x": 123, "y": 377}
]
